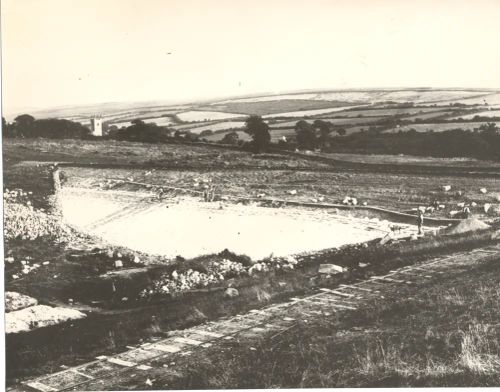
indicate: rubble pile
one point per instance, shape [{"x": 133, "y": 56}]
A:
[
  {"x": 180, "y": 282},
  {"x": 216, "y": 271},
  {"x": 23, "y": 221},
  {"x": 17, "y": 196},
  {"x": 226, "y": 267},
  {"x": 287, "y": 262},
  {"x": 468, "y": 225},
  {"x": 16, "y": 301},
  {"x": 18, "y": 267}
]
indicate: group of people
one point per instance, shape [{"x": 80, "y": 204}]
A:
[
  {"x": 209, "y": 193},
  {"x": 420, "y": 217}
]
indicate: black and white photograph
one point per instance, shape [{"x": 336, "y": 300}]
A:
[{"x": 236, "y": 194}]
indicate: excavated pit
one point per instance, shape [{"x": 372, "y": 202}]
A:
[
  {"x": 188, "y": 227},
  {"x": 185, "y": 226}
]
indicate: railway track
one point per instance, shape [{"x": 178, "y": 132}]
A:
[{"x": 268, "y": 321}]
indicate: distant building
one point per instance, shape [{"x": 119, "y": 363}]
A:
[{"x": 96, "y": 125}]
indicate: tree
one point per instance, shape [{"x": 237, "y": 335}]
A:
[
  {"x": 490, "y": 127},
  {"x": 140, "y": 131},
  {"x": 191, "y": 137},
  {"x": 322, "y": 129},
  {"x": 306, "y": 137},
  {"x": 26, "y": 126},
  {"x": 231, "y": 138},
  {"x": 341, "y": 131},
  {"x": 112, "y": 132},
  {"x": 259, "y": 132},
  {"x": 53, "y": 128},
  {"x": 21, "y": 127},
  {"x": 24, "y": 121},
  {"x": 7, "y": 129},
  {"x": 206, "y": 132}
]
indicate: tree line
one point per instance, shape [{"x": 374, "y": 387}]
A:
[
  {"x": 483, "y": 143},
  {"x": 480, "y": 144},
  {"x": 26, "y": 126}
]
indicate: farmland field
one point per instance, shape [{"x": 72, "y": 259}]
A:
[
  {"x": 218, "y": 126},
  {"x": 143, "y": 114},
  {"x": 353, "y": 124},
  {"x": 306, "y": 113},
  {"x": 428, "y": 115},
  {"x": 373, "y": 111},
  {"x": 217, "y": 137},
  {"x": 273, "y": 107},
  {"x": 333, "y": 120},
  {"x": 276, "y": 135},
  {"x": 487, "y": 113},
  {"x": 293, "y": 105},
  {"x": 110, "y": 111},
  {"x": 418, "y": 95},
  {"x": 486, "y": 99},
  {"x": 269, "y": 98},
  {"x": 439, "y": 127},
  {"x": 191, "y": 126},
  {"x": 429, "y": 96},
  {"x": 160, "y": 121},
  {"x": 195, "y": 115}
]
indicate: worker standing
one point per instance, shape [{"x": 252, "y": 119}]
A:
[{"x": 420, "y": 221}]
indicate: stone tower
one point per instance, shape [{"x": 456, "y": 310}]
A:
[{"x": 96, "y": 125}]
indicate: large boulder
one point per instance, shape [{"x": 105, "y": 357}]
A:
[
  {"x": 330, "y": 269},
  {"x": 231, "y": 292},
  {"x": 494, "y": 210},
  {"x": 37, "y": 317}
]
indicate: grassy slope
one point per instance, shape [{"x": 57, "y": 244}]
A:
[
  {"x": 119, "y": 152},
  {"x": 444, "y": 333}
]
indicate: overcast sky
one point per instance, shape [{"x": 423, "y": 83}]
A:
[{"x": 62, "y": 52}]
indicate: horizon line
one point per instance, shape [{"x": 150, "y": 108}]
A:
[{"x": 192, "y": 101}]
